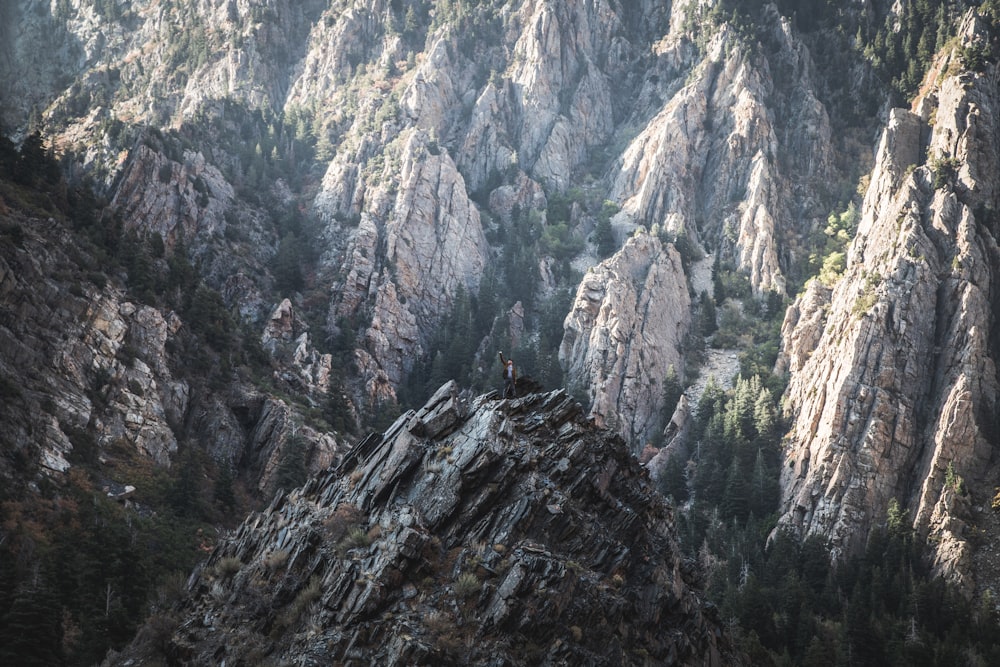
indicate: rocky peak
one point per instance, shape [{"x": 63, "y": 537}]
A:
[
  {"x": 729, "y": 111},
  {"x": 473, "y": 531},
  {"x": 408, "y": 257},
  {"x": 624, "y": 331}
]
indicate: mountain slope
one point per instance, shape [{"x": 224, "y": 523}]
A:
[{"x": 403, "y": 152}]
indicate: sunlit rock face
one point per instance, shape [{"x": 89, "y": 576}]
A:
[
  {"x": 624, "y": 332},
  {"x": 895, "y": 401}
]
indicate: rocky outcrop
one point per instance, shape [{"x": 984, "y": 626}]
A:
[
  {"x": 624, "y": 331},
  {"x": 473, "y": 531},
  {"x": 286, "y": 336},
  {"x": 75, "y": 355},
  {"x": 896, "y": 401},
  {"x": 802, "y": 328},
  {"x": 174, "y": 200}
]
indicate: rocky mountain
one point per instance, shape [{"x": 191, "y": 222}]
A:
[
  {"x": 473, "y": 531},
  {"x": 417, "y": 135},
  {"x": 893, "y": 387},
  {"x": 238, "y": 234}
]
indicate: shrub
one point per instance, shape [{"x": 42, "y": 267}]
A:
[
  {"x": 227, "y": 567},
  {"x": 356, "y": 537},
  {"x": 276, "y": 559},
  {"x": 98, "y": 279},
  {"x": 945, "y": 170},
  {"x": 467, "y": 585},
  {"x": 14, "y": 231},
  {"x": 299, "y": 605}
]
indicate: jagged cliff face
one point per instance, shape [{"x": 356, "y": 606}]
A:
[
  {"x": 473, "y": 531},
  {"x": 893, "y": 392},
  {"x": 431, "y": 126},
  {"x": 81, "y": 356},
  {"x": 733, "y": 154},
  {"x": 626, "y": 329}
]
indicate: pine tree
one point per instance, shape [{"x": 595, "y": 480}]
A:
[
  {"x": 764, "y": 418},
  {"x": 224, "y": 494},
  {"x": 604, "y": 237},
  {"x": 707, "y": 315},
  {"x": 31, "y": 630},
  {"x": 673, "y": 482},
  {"x": 736, "y": 497},
  {"x": 672, "y": 392},
  {"x": 184, "y": 494},
  {"x": 287, "y": 265},
  {"x": 291, "y": 471},
  {"x": 763, "y": 487},
  {"x": 338, "y": 410},
  {"x": 35, "y": 165}
]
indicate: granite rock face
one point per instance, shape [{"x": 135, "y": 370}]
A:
[
  {"x": 406, "y": 260},
  {"x": 473, "y": 531},
  {"x": 893, "y": 392},
  {"x": 430, "y": 128},
  {"x": 730, "y": 150},
  {"x": 624, "y": 332}
]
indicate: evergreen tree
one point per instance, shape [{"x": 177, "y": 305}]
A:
[
  {"x": 224, "y": 494},
  {"x": 736, "y": 497},
  {"x": 672, "y": 392},
  {"x": 673, "y": 482},
  {"x": 604, "y": 235},
  {"x": 291, "y": 471},
  {"x": 287, "y": 265},
  {"x": 184, "y": 495},
  {"x": 338, "y": 410},
  {"x": 764, "y": 418},
  {"x": 31, "y": 632},
  {"x": 35, "y": 164},
  {"x": 763, "y": 487},
  {"x": 8, "y": 157},
  {"x": 707, "y": 315}
]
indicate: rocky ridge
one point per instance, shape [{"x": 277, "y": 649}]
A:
[
  {"x": 473, "y": 531},
  {"x": 893, "y": 390}
]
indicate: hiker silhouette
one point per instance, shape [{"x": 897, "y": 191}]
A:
[{"x": 509, "y": 374}]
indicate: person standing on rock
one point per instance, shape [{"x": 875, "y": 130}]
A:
[{"x": 509, "y": 377}]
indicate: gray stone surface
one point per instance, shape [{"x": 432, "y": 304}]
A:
[{"x": 521, "y": 534}]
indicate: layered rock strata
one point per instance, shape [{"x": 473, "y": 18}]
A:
[{"x": 473, "y": 531}]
